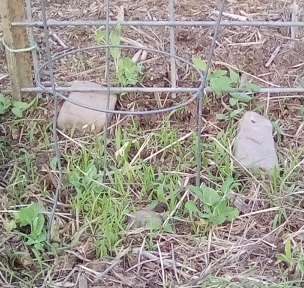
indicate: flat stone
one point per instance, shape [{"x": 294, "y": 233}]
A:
[
  {"x": 255, "y": 146},
  {"x": 72, "y": 115}
]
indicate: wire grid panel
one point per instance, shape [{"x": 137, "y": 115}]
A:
[{"x": 171, "y": 23}]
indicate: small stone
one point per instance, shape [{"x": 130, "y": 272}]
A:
[
  {"x": 82, "y": 118},
  {"x": 145, "y": 219},
  {"x": 254, "y": 142}
]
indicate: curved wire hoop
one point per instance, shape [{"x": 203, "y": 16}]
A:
[{"x": 168, "y": 109}]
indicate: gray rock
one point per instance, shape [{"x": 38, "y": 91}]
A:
[
  {"x": 82, "y": 118},
  {"x": 145, "y": 218},
  {"x": 254, "y": 142}
]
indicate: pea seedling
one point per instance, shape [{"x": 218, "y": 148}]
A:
[
  {"x": 127, "y": 72},
  {"x": 220, "y": 81}
]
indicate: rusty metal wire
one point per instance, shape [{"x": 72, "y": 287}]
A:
[
  {"x": 55, "y": 136},
  {"x": 202, "y": 93},
  {"x": 159, "y": 23}
]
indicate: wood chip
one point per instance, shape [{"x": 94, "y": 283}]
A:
[
  {"x": 136, "y": 56},
  {"x": 144, "y": 55},
  {"x": 59, "y": 41},
  {"x": 232, "y": 16},
  {"x": 121, "y": 14},
  {"x": 294, "y": 18},
  {"x": 273, "y": 55}
]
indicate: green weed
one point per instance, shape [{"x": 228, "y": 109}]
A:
[
  {"x": 100, "y": 205},
  {"x": 278, "y": 129},
  {"x": 293, "y": 259}
]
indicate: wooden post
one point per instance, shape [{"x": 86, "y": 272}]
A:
[{"x": 19, "y": 63}]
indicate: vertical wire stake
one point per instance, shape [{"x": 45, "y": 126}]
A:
[
  {"x": 201, "y": 96},
  {"x": 108, "y": 91},
  {"x": 172, "y": 47},
  {"x": 32, "y": 37},
  {"x": 55, "y": 137}
]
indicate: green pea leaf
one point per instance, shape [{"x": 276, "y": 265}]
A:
[
  {"x": 10, "y": 225},
  {"x": 219, "y": 74},
  {"x": 74, "y": 178},
  {"x": 5, "y": 103},
  {"x": 115, "y": 37},
  {"x": 199, "y": 63},
  {"x": 115, "y": 52},
  {"x": 37, "y": 226},
  {"x": 250, "y": 87},
  {"x": 234, "y": 113},
  {"x": 217, "y": 219},
  {"x": 222, "y": 117},
  {"x": 243, "y": 97},
  {"x": 20, "y": 105},
  {"x": 233, "y": 101},
  {"x": 17, "y": 112},
  {"x": 234, "y": 213},
  {"x": 2, "y": 109},
  {"x": 192, "y": 208},
  {"x": 220, "y": 84},
  {"x": 197, "y": 191},
  {"x": 210, "y": 196},
  {"x": 27, "y": 215},
  {"x": 100, "y": 36},
  {"x": 235, "y": 78}
]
